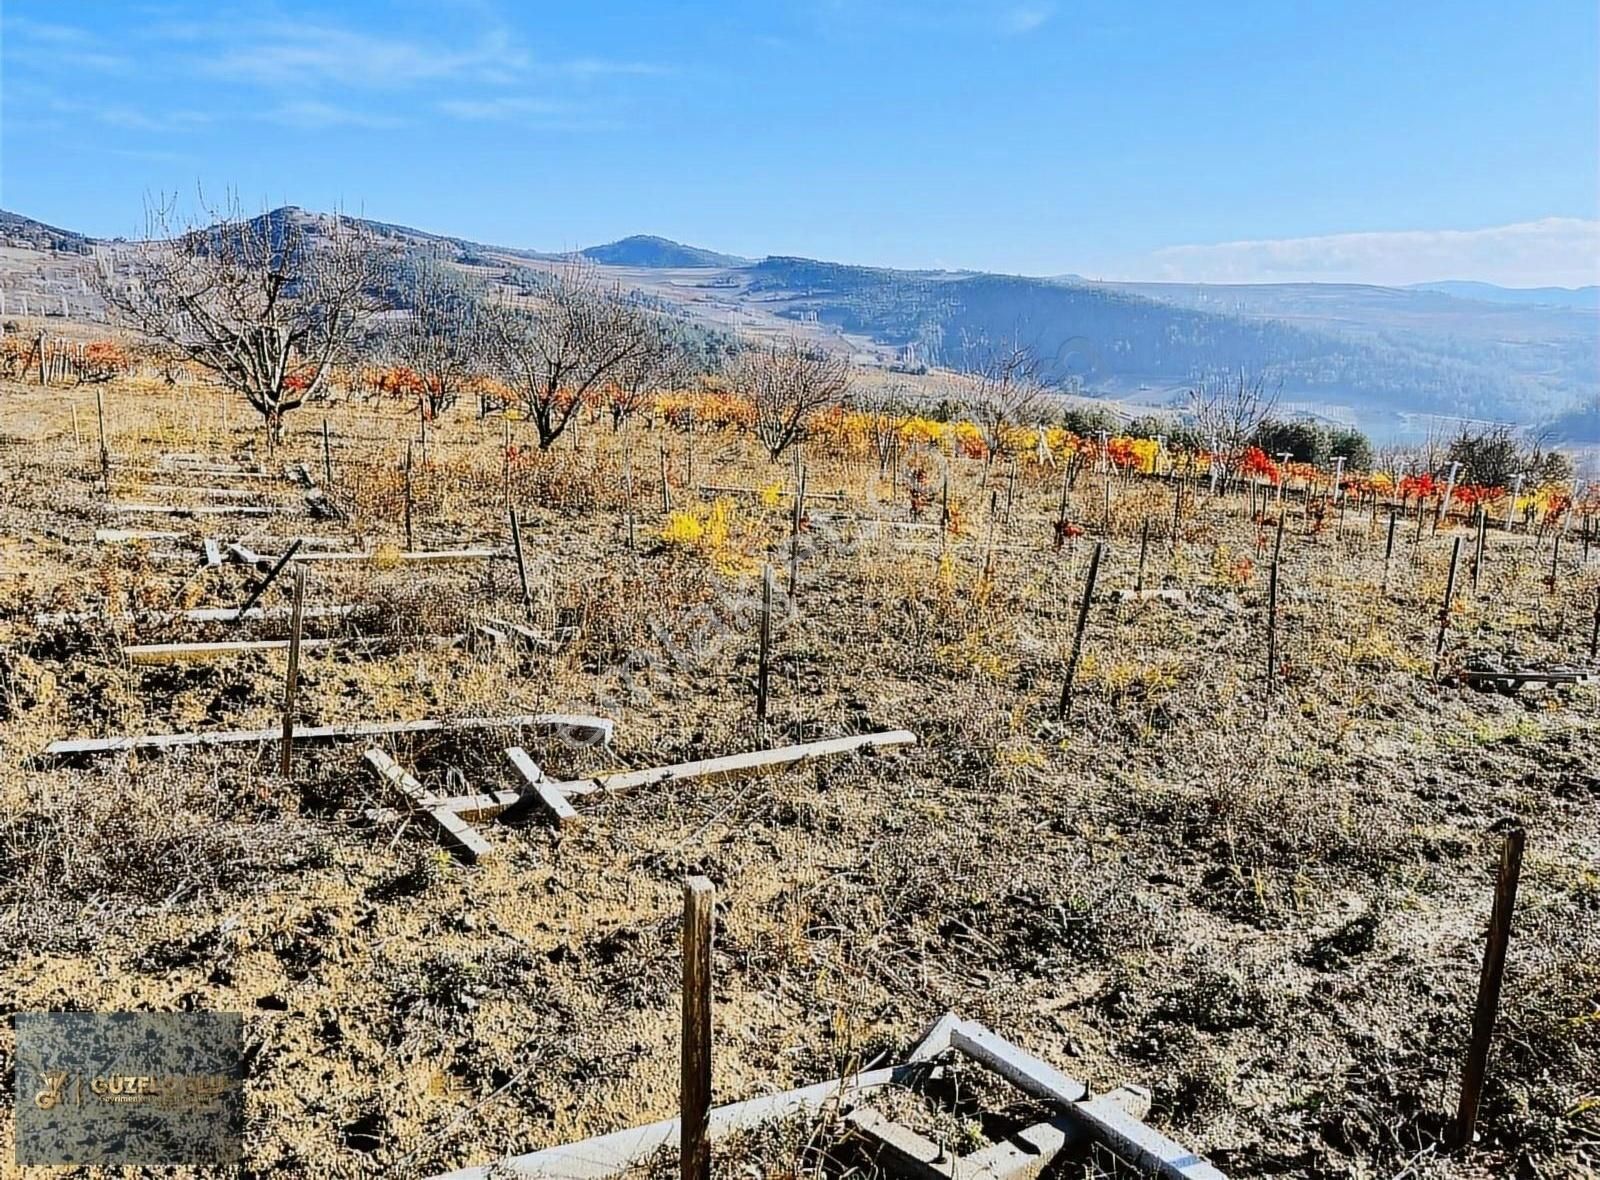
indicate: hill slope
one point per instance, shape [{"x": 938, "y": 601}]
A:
[{"x": 646, "y": 250}]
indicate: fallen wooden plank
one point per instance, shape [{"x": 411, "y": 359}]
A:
[
  {"x": 608, "y": 1155},
  {"x": 183, "y": 469},
  {"x": 456, "y": 831},
  {"x": 1019, "y": 1067},
  {"x": 488, "y": 805},
  {"x": 187, "y": 489},
  {"x": 1474, "y": 675},
  {"x": 398, "y": 556},
  {"x": 578, "y": 728},
  {"x": 204, "y": 614},
  {"x": 1158, "y": 595},
  {"x": 1141, "y": 1144},
  {"x": 213, "y": 552},
  {"x": 736, "y": 765},
  {"x": 126, "y": 536},
  {"x": 182, "y": 653},
  {"x": 199, "y": 510},
  {"x": 546, "y": 792}
]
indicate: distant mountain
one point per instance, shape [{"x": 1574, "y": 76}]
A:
[
  {"x": 1582, "y": 297},
  {"x": 648, "y": 251},
  {"x": 17, "y": 230}
]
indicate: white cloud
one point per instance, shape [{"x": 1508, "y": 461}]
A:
[
  {"x": 502, "y": 107},
  {"x": 1025, "y": 18},
  {"x": 1553, "y": 251},
  {"x": 313, "y": 114}
]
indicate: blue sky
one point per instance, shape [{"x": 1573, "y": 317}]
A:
[{"x": 1380, "y": 142}]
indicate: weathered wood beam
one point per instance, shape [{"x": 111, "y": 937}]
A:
[
  {"x": 181, "y": 653},
  {"x": 204, "y": 614},
  {"x": 589, "y": 730},
  {"x": 460, "y": 835},
  {"x": 126, "y": 536},
  {"x": 198, "y": 510},
  {"x": 736, "y": 765},
  {"x": 544, "y": 790},
  {"x": 1019, "y": 1067}
]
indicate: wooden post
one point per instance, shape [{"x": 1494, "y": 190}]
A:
[
  {"x": 694, "y": 1110},
  {"x": 944, "y": 504},
  {"x": 327, "y": 458},
  {"x": 1494, "y": 966},
  {"x": 690, "y": 448},
  {"x": 766, "y": 645},
  {"x": 1477, "y": 554},
  {"x": 1061, "y": 513},
  {"x": 666, "y": 492},
  {"x": 1272, "y": 628},
  {"x": 1594, "y": 634},
  {"x": 505, "y": 468},
  {"x": 77, "y": 435},
  {"x": 105, "y": 453},
  {"x": 1388, "y": 547},
  {"x": 627, "y": 490},
  {"x": 409, "y": 545},
  {"x": 1177, "y": 513},
  {"x": 1444, "y": 610},
  {"x": 1144, "y": 548},
  {"x": 794, "y": 535},
  {"x": 1077, "y": 637},
  {"x": 522, "y": 565},
  {"x": 291, "y": 680},
  {"x": 1555, "y": 559},
  {"x": 255, "y": 595}
]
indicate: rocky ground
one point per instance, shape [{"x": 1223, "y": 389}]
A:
[{"x": 1268, "y": 907}]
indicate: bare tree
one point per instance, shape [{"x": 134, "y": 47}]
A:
[
  {"x": 788, "y": 383},
  {"x": 638, "y": 379},
  {"x": 1228, "y": 411},
  {"x": 266, "y": 304},
  {"x": 578, "y": 337},
  {"x": 440, "y": 338},
  {"x": 886, "y": 409},
  {"x": 1005, "y": 392}
]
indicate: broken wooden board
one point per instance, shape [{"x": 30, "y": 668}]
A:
[
  {"x": 613, "y": 1154},
  {"x": 1159, "y": 595},
  {"x": 469, "y": 807},
  {"x": 576, "y": 727},
  {"x": 186, "y": 653},
  {"x": 203, "y": 614},
  {"x": 127, "y": 536},
  {"x": 1511, "y": 681},
  {"x": 378, "y": 556},
  {"x": 736, "y": 765},
  {"x": 198, "y": 510},
  {"x": 213, "y": 552},
  {"x": 547, "y": 792},
  {"x": 454, "y": 830}
]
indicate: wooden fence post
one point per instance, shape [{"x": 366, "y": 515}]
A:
[
  {"x": 1444, "y": 610},
  {"x": 1272, "y": 629},
  {"x": 666, "y": 492},
  {"x": 409, "y": 545},
  {"x": 1388, "y": 548},
  {"x": 1477, "y": 554},
  {"x": 522, "y": 565},
  {"x": 694, "y": 1108},
  {"x": 1077, "y": 637},
  {"x": 327, "y": 458},
  {"x": 1594, "y": 634},
  {"x": 1144, "y": 548},
  {"x": 105, "y": 453},
  {"x": 1494, "y": 966},
  {"x": 794, "y": 535},
  {"x": 766, "y": 644},
  {"x": 291, "y": 680}
]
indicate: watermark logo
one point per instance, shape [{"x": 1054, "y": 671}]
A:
[{"x": 115, "y": 1088}]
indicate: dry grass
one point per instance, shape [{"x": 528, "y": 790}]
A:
[{"x": 1266, "y": 907}]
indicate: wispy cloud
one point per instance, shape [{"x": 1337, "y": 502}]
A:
[
  {"x": 1552, "y": 251},
  {"x": 1025, "y": 18},
  {"x": 312, "y": 114},
  {"x": 503, "y": 107},
  {"x": 297, "y": 54},
  {"x": 127, "y": 117},
  {"x": 50, "y": 44}
]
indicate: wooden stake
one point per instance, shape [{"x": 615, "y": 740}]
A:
[
  {"x": 1494, "y": 966},
  {"x": 1077, "y": 637},
  {"x": 105, "y": 453},
  {"x": 291, "y": 680},
  {"x": 1477, "y": 554},
  {"x": 261, "y": 588},
  {"x": 627, "y": 491},
  {"x": 1177, "y": 513},
  {"x": 1144, "y": 548},
  {"x": 1061, "y": 513},
  {"x": 1272, "y": 629},
  {"x": 1444, "y": 610},
  {"x": 666, "y": 492},
  {"x": 409, "y": 545},
  {"x": 1555, "y": 559},
  {"x": 694, "y": 1146},
  {"x": 794, "y": 535},
  {"x": 766, "y": 644},
  {"x": 1388, "y": 547},
  {"x": 1594, "y": 635},
  {"x": 522, "y": 565},
  {"x": 327, "y": 457}
]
